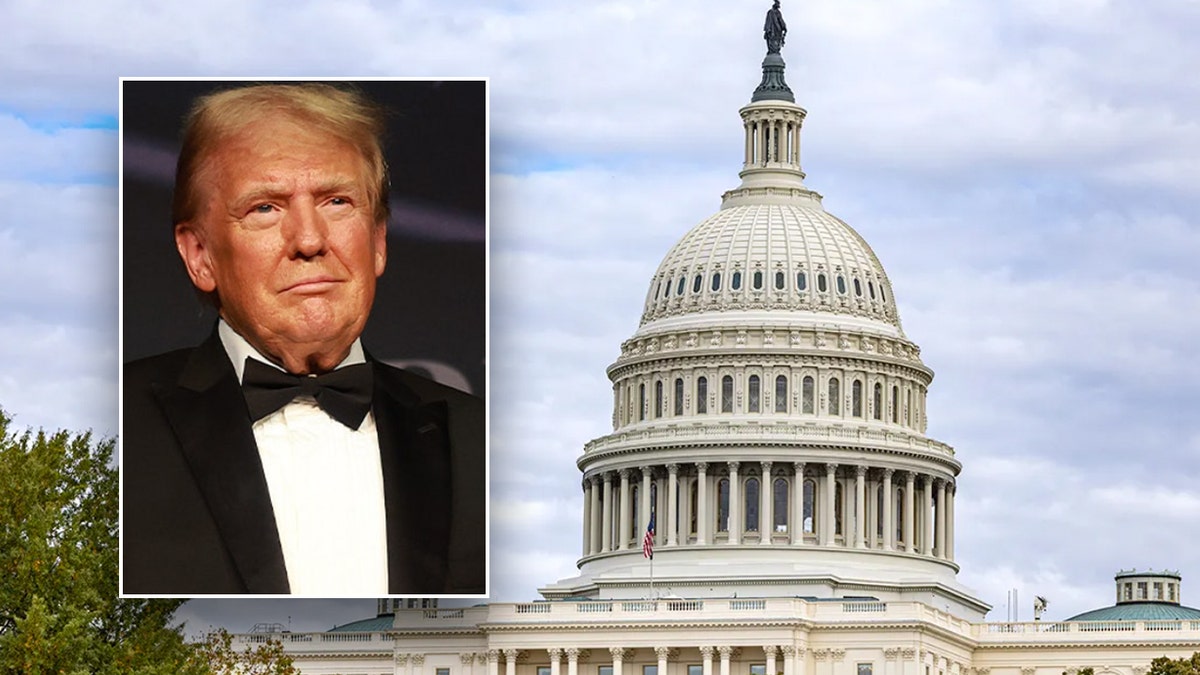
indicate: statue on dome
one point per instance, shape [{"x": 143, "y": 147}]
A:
[{"x": 775, "y": 29}]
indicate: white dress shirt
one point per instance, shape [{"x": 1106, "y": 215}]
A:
[{"x": 326, "y": 487}]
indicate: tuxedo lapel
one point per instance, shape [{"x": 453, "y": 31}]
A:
[
  {"x": 414, "y": 452},
  {"x": 207, "y": 412}
]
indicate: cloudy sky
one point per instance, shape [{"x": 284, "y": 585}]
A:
[{"x": 1027, "y": 171}]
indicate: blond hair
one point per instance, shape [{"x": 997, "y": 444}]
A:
[{"x": 341, "y": 111}]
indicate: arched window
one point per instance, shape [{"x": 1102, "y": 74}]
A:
[
  {"x": 835, "y": 396},
  {"x": 908, "y": 407},
  {"x": 758, "y": 280},
  {"x": 899, "y": 511},
  {"x": 882, "y": 295},
  {"x": 841, "y": 284},
  {"x": 856, "y": 398},
  {"x": 857, "y": 288},
  {"x": 737, "y": 281},
  {"x": 727, "y": 394},
  {"x": 697, "y": 283},
  {"x": 838, "y": 497},
  {"x": 895, "y": 404},
  {"x": 751, "y": 505},
  {"x": 678, "y": 396},
  {"x": 871, "y": 289},
  {"x": 779, "y": 280},
  {"x": 801, "y": 281},
  {"x": 679, "y": 288},
  {"x": 779, "y": 504},
  {"x": 723, "y": 505},
  {"x": 755, "y": 387},
  {"x": 658, "y": 398},
  {"x": 701, "y": 395},
  {"x": 810, "y": 506},
  {"x": 781, "y": 394},
  {"x": 641, "y": 401},
  {"x": 821, "y": 284},
  {"x": 716, "y": 281},
  {"x": 636, "y": 504},
  {"x": 693, "y": 508},
  {"x": 878, "y": 401},
  {"x": 879, "y": 511},
  {"x": 806, "y": 395}
]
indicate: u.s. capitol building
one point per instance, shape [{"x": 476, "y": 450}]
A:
[{"x": 769, "y": 414}]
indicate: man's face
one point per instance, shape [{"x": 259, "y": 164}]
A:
[{"x": 286, "y": 238}]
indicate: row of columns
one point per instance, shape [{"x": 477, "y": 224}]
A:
[
  {"x": 769, "y": 141},
  {"x": 926, "y": 530}
]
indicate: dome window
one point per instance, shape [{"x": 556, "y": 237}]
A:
[
  {"x": 807, "y": 391},
  {"x": 697, "y": 283},
  {"x": 857, "y": 288},
  {"x": 727, "y": 394},
  {"x": 779, "y": 281},
  {"x": 679, "y": 288},
  {"x": 841, "y": 284},
  {"x": 871, "y": 289},
  {"x": 716, "y": 281},
  {"x": 801, "y": 281},
  {"x": 835, "y": 396},
  {"x": 701, "y": 395},
  {"x": 737, "y": 281},
  {"x": 781, "y": 394},
  {"x": 642, "y": 402},
  {"x": 882, "y": 295},
  {"x": 821, "y": 283},
  {"x": 658, "y": 293},
  {"x": 678, "y": 396},
  {"x": 758, "y": 280},
  {"x": 755, "y": 393},
  {"x": 658, "y": 399}
]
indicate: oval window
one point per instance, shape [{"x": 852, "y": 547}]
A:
[
  {"x": 716, "y": 285},
  {"x": 821, "y": 285},
  {"x": 841, "y": 283},
  {"x": 679, "y": 288},
  {"x": 737, "y": 280},
  {"x": 697, "y": 283},
  {"x": 779, "y": 281},
  {"x": 857, "y": 288},
  {"x": 758, "y": 280},
  {"x": 801, "y": 281},
  {"x": 871, "y": 289}
]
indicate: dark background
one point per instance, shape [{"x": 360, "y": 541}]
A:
[{"x": 430, "y": 304}]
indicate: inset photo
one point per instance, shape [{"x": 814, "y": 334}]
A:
[{"x": 303, "y": 338}]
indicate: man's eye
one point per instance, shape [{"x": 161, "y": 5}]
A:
[
  {"x": 339, "y": 201},
  {"x": 262, "y": 208}
]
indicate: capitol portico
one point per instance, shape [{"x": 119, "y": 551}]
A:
[{"x": 769, "y": 418}]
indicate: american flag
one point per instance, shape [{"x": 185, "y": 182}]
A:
[{"x": 648, "y": 540}]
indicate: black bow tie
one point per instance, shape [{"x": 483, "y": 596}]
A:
[{"x": 344, "y": 394}]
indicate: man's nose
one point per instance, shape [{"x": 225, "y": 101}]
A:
[{"x": 307, "y": 231}]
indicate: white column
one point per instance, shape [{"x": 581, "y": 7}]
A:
[
  {"x": 703, "y": 517},
  {"x": 770, "y": 652},
  {"x": 572, "y": 660},
  {"x": 725, "y": 654},
  {"x": 941, "y": 518},
  {"x": 587, "y": 516},
  {"x": 766, "y": 517},
  {"x": 510, "y": 661},
  {"x": 796, "y": 524},
  {"x": 493, "y": 657},
  {"x": 555, "y": 657},
  {"x": 909, "y": 499},
  {"x": 860, "y": 505},
  {"x": 645, "y": 508},
  {"x": 596, "y": 529},
  {"x": 623, "y": 523},
  {"x": 789, "y": 658},
  {"x": 606, "y": 527},
  {"x": 468, "y": 663},
  {"x": 662, "y": 653},
  {"x": 889, "y": 502},
  {"x": 735, "y": 510},
  {"x": 950, "y": 494},
  {"x": 927, "y": 515},
  {"x": 618, "y": 659},
  {"x": 416, "y": 664},
  {"x": 828, "y": 537},
  {"x": 706, "y": 653},
  {"x": 672, "y": 507}
]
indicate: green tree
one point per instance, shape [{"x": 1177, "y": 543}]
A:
[
  {"x": 59, "y": 610},
  {"x": 1182, "y": 666}
]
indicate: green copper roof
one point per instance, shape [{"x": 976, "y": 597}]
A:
[
  {"x": 1140, "y": 611},
  {"x": 374, "y": 624}
]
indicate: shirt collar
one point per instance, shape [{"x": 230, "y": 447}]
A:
[{"x": 239, "y": 350}]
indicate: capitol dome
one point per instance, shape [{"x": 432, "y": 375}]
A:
[{"x": 768, "y": 411}]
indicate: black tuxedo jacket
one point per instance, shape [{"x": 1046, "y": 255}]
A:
[{"x": 196, "y": 512}]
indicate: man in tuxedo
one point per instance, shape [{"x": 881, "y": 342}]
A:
[{"x": 278, "y": 456}]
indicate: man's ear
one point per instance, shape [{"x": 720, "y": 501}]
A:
[
  {"x": 190, "y": 244},
  {"x": 380, "y": 235}
]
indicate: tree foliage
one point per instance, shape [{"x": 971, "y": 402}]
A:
[
  {"x": 1181, "y": 666},
  {"x": 261, "y": 658},
  {"x": 59, "y": 610}
]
